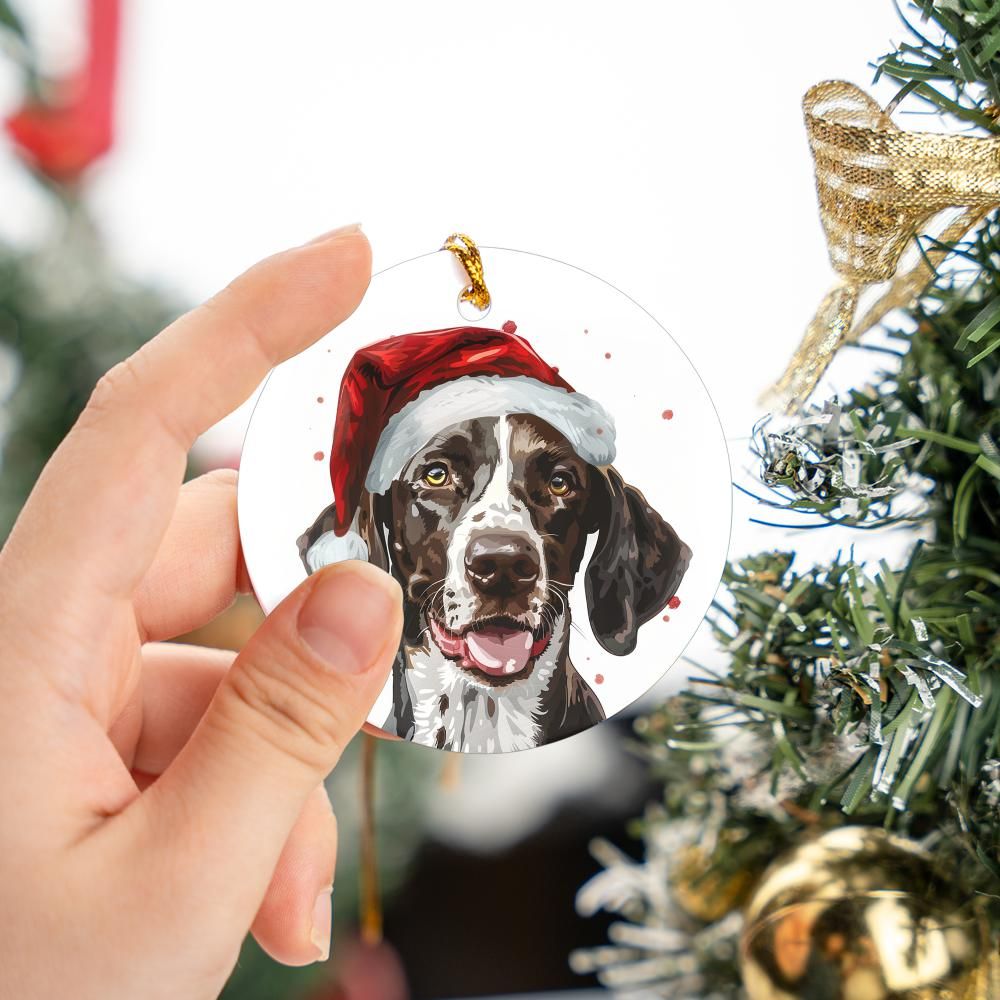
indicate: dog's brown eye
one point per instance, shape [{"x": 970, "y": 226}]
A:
[
  {"x": 436, "y": 475},
  {"x": 560, "y": 484}
]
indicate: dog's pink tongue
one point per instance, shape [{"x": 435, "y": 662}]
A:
[{"x": 500, "y": 650}]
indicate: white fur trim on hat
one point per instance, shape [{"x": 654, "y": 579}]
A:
[
  {"x": 332, "y": 548},
  {"x": 581, "y": 420}
]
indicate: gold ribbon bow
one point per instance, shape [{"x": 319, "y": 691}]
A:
[{"x": 878, "y": 187}]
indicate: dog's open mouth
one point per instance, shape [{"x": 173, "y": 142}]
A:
[{"x": 497, "y": 647}]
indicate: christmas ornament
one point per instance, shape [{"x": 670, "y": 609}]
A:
[
  {"x": 859, "y": 914},
  {"x": 521, "y": 479},
  {"x": 878, "y": 186}
]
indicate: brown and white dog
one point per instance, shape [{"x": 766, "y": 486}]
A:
[{"x": 485, "y": 527}]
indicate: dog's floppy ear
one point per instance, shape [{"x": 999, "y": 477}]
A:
[
  {"x": 319, "y": 545},
  {"x": 637, "y": 565}
]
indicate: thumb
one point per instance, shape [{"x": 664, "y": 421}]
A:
[{"x": 277, "y": 725}]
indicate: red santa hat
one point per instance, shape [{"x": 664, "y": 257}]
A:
[{"x": 396, "y": 394}]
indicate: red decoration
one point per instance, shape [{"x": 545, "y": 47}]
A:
[
  {"x": 668, "y": 414},
  {"x": 674, "y": 603},
  {"x": 64, "y": 137}
]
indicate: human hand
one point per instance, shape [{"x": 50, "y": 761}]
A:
[{"x": 159, "y": 800}]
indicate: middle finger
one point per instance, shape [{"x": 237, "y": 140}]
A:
[{"x": 198, "y": 568}]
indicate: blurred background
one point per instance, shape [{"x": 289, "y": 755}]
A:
[{"x": 152, "y": 151}]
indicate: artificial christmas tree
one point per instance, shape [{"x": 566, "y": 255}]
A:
[{"x": 856, "y": 696}]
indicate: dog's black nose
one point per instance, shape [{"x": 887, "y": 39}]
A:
[{"x": 502, "y": 564}]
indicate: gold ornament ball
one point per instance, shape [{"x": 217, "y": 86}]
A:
[{"x": 859, "y": 914}]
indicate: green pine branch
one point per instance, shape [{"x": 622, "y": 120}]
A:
[
  {"x": 854, "y": 694},
  {"x": 951, "y": 60}
]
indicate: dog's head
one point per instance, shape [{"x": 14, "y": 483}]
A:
[{"x": 486, "y": 527}]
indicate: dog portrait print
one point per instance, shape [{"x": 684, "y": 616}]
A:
[{"x": 468, "y": 468}]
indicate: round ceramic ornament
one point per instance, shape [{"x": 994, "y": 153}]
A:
[{"x": 546, "y": 477}]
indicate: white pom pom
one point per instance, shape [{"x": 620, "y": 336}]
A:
[{"x": 332, "y": 548}]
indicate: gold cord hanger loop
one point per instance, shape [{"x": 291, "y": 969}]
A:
[
  {"x": 370, "y": 897},
  {"x": 465, "y": 249}
]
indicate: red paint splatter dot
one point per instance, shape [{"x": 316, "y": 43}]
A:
[
  {"x": 509, "y": 327},
  {"x": 666, "y": 618},
  {"x": 668, "y": 414},
  {"x": 600, "y": 430},
  {"x": 318, "y": 456},
  {"x": 607, "y": 354},
  {"x": 319, "y": 399},
  {"x": 674, "y": 602},
  {"x": 555, "y": 368},
  {"x": 599, "y": 678}
]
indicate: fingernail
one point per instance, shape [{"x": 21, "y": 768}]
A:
[
  {"x": 334, "y": 234},
  {"x": 322, "y": 923},
  {"x": 345, "y": 615}
]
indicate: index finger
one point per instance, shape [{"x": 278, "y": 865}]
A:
[{"x": 104, "y": 501}]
